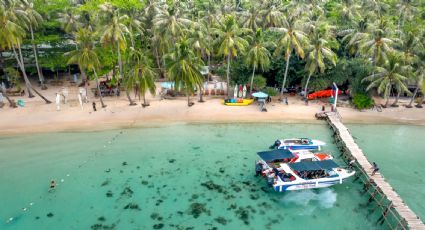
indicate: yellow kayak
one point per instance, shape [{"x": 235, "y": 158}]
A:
[{"x": 243, "y": 103}]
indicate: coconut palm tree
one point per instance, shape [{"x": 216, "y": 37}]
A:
[
  {"x": 409, "y": 45},
  {"x": 376, "y": 45},
  {"x": 272, "y": 15},
  {"x": 406, "y": 9},
  {"x": 113, "y": 34},
  {"x": 348, "y": 10},
  {"x": 170, "y": 23},
  {"x": 183, "y": 67},
  {"x": 85, "y": 56},
  {"x": 420, "y": 83},
  {"x": 34, "y": 20},
  {"x": 318, "y": 52},
  {"x": 251, "y": 18},
  {"x": 231, "y": 41},
  {"x": 353, "y": 35},
  {"x": 12, "y": 31},
  {"x": 291, "y": 40},
  {"x": 70, "y": 21},
  {"x": 390, "y": 74},
  {"x": 141, "y": 74},
  {"x": 258, "y": 55}
]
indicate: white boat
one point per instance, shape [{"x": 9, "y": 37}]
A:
[
  {"x": 298, "y": 144},
  {"x": 283, "y": 175}
]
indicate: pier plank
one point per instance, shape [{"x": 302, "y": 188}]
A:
[{"x": 346, "y": 141}]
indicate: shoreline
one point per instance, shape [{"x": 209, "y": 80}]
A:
[{"x": 38, "y": 117}]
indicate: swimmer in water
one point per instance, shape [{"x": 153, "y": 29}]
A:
[{"x": 52, "y": 185}]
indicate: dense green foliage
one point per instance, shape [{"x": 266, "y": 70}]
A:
[
  {"x": 308, "y": 44},
  {"x": 362, "y": 101}
]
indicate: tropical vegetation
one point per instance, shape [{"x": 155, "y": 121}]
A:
[{"x": 370, "y": 47}]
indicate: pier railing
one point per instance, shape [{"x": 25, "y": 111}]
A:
[{"x": 394, "y": 212}]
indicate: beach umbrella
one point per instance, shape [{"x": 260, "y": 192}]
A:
[
  {"x": 235, "y": 93},
  {"x": 244, "y": 91},
  {"x": 260, "y": 95},
  {"x": 167, "y": 85}
]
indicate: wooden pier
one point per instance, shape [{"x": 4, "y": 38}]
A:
[{"x": 394, "y": 211}]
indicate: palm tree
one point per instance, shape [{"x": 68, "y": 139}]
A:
[
  {"x": 250, "y": 18},
  {"x": 231, "y": 42},
  {"x": 420, "y": 83},
  {"x": 353, "y": 35},
  {"x": 376, "y": 45},
  {"x": 113, "y": 33},
  {"x": 407, "y": 9},
  {"x": 85, "y": 56},
  {"x": 183, "y": 67},
  {"x": 409, "y": 45},
  {"x": 318, "y": 52},
  {"x": 387, "y": 76},
  {"x": 70, "y": 21},
  {"x": 272, "y": 15},
  {"x": 291, "y": 39},
  {"x": 34, "y": 20},
  {"x": 258, "y": 55},
  {"x": 141, "y": 74},
  {"x": 348, "y": 10},
  {"x": 170, "y": 24},
  {"x": 11, "y": 34}
]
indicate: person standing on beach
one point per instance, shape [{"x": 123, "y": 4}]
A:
[
  {"x": 94, "y": 106},
  {"x": 375, "y": 168}
]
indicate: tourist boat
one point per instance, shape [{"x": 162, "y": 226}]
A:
[
  {"x": 298, "y": 144},
  {"x": 238, "y": 102},
  {"x": 283, "y": 174}
]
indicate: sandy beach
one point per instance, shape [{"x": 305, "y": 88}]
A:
[{"x": 37, "y": 116}]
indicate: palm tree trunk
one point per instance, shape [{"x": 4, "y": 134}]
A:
[
  {"x": 201, "y": 99},
  {"x": 252, "y": 80},
  {"x": 129, "y": 98},
  {"x": 12, "y": 103},
  {"x": 306, "y": 85},
  {"x": 98, "y": 88},
  {"x": 209, "y": 66},
  {"x": 284, "y": 76},
  {"x": 396, "y": 100},
  {"x": 40, "y": 74},
  {"x": 119, "y": 60},
  {"x": 188, "y": 97},
  {"x": 388, "y": 94},
  {"x": 158, "y": 62},
  {"x": 144, "y": 99},
  {"x": 227, "y": 75},
  {"x": 27, "y": 83},
  {"x": 413, "y": 97}
]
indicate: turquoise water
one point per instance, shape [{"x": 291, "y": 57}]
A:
[
  {"x": 167, "y": 177},
  {"x": 399, "y": 151}
]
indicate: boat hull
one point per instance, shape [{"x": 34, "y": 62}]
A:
[{"x": 305, "y": 185}]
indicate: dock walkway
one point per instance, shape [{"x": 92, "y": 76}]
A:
[{"x": 402, "y": 216}]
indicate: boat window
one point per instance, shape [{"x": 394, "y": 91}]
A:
[{"x": 307, "y": 160}]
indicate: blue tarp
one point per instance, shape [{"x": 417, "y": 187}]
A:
[
  {"x": 277, "y": 154},
  {"x": 314, "y": 165}
]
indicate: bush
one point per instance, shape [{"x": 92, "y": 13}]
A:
[
  {"x": 270, "y": 91},
  {"x": 362, "y": 101},
  {"x": 259, "y": 82}
]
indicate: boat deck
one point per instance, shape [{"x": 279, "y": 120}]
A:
[{"x": 404, "y": 217}]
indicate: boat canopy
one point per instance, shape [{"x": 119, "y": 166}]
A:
[
  {"x": 277, "y": 154},
  {"x": 314, "y": 165}
]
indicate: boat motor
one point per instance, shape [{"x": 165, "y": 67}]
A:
[{"x": 275, "y": 145}]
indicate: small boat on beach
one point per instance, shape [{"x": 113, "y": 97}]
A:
[
  {"x": 284, "y": 173},
  {"x": 298, "y": 144}
]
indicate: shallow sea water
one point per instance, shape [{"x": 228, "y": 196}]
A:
[
  {"x": 399, "y": 152},
  {"x": 194, "y": 176}
]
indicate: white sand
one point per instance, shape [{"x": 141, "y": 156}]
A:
[{"x": 37, "y": 116}]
